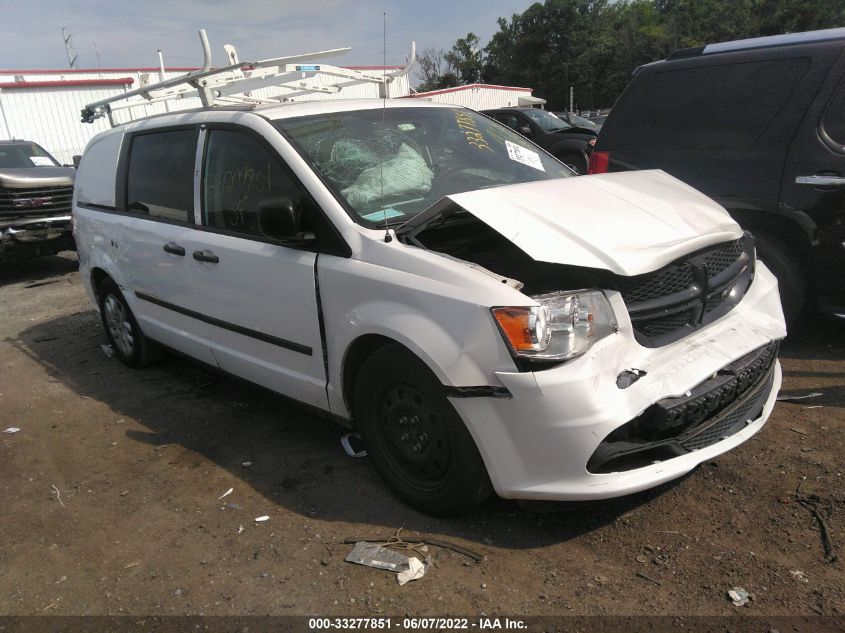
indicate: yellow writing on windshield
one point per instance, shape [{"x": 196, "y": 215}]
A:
[{"x": 470, "y": 130}]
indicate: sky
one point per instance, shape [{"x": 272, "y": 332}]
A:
[{"x": 128, "y": 33}]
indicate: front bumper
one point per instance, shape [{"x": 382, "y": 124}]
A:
[
  {"x": 36, "y": 236},
  {"x": 537, "y": 444}
]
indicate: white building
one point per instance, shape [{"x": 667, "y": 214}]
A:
[{"x": 483, "y": 96}]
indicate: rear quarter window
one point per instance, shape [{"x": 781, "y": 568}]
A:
[
  {"x": 713, "y": 107},
  {"x": 160, "y": 176}
]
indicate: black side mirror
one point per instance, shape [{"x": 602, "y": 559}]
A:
[
  {"x": 524, "y": 130},
  {"x": 76, "y": 160},
  {"x": 279, "y": 219}
]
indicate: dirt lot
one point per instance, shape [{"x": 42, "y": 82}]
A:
[{"x": 110, "y": 498}]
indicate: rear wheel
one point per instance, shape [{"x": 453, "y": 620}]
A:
[
  {"x": 787, "y": 268},
  {"x": 129, "y": 343},
  {"x": 418, "y": 443}
]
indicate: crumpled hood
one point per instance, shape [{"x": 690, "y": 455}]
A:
[{"x": 628, "y": 222}]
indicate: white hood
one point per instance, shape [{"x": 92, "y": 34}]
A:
[{"x": 629, "y": 222}]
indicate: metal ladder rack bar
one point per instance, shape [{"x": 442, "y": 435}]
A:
[{"x": 226, "y": 85}]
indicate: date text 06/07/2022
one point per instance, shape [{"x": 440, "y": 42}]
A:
[{"x": 414, "y": 624}]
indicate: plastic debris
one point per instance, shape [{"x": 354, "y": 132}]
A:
[
  {"x": 246, "y": 464},
  {"x": 226, "y": 494},
  {"x": 261, "y": 519},
  {"x": 788, "y": 398},
  {"x": 415, "y": 571},
  {"x": 58, "y": 495},
  {"x": 12, "y": 429},
  {"x": 739, "y": 596},
  {"x": 240, "y": 529},
  {"x": 347, "y": 445},
  {"x": 108, "y": 350},
  {"x": 374, "y": 555},
  {"x": 232, "y": 506},
  {"x": 799, "y": 575}
]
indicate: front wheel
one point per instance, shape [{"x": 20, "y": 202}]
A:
[{"x": 418, "y": 443}]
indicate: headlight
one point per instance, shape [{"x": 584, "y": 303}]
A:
[{"x": 565, "y": 324}]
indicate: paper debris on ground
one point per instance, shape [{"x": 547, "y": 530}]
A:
[
  {"x": 12, "y": 429},
  {"x": 226, "y": 494},
  {"x": 415, "y": 571},
  {"x": 261, "y": 519},
  {"x": 374, "y": 555},
  {"x": 739, "y": 596}
]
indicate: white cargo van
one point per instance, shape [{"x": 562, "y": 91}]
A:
[{"x": 485, "y": 319}]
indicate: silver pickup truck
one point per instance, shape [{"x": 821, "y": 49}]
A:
[{"x": 35, "y": 197}]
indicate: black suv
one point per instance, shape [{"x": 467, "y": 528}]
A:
[
  {"x": 568, "y": 143},
  {"x": 758, "y": 125},
  {"x": 35, "y": 197}
]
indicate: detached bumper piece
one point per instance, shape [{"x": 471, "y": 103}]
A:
[{"x": 715, "y": 409}]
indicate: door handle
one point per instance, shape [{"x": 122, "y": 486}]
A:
[
  {"x": 206, "y": 256},
  {"x": 173, "y": 249},
  {"x": 818, "y": 180}
]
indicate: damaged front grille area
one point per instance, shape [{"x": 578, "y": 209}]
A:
[
  {"x": 715, "y": 409},
  {"x": 674, "y": 301}
]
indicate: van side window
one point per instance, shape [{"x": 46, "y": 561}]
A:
[
  {"x": 833, "y": 121},
  {"x": 240, "y": 173},
  {"x": 160, "y": 178}
]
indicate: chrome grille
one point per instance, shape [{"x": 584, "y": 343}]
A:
[{"x": 35, "y": 201}]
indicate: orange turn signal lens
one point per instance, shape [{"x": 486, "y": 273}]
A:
[
  {"x": 525, "y": 328},
  {"x": 514, "y": 325}
]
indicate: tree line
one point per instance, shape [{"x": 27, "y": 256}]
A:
[{"x": 595, "y": 45}]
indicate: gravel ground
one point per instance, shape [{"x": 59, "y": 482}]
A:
[{"x": 111, "y": 490}]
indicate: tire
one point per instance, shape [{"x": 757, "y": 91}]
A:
[
  {"x": 122, "y": 330},
  {"x": 576, "y": 162},
  {"x": 417, "y": 442},
  {"x": 789, "y": 272}
]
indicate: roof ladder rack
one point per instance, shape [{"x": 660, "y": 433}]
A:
[{"x": 233, "y": 84}]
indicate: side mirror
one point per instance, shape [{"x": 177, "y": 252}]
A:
[
  {"x": 524, "y": 130},
  {"x": 279, "y": 219},
  {"x": 76, "y": 160}
]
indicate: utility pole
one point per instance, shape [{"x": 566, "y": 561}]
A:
[{"x": 68, "y": 48}]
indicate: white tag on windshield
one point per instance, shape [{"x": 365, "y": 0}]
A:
[
  {"x": 524, "y": 156},
  {"x": 41, "y": 161}
]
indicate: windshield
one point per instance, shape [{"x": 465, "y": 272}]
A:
[
  {"x": 547, "y": 121},
  {"x": 23, "y": 155},
  {"x": 387, "y": 165}
]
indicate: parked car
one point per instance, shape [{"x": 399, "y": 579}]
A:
[
  {"x": 758, "y": 125},
  {"x": 35, "y": 197},
  {"x": 577, "y": 121},
  {"x": 571, "y": 145},
  {"x": 429, "y": 277}
]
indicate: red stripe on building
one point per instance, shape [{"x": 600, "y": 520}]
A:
[
  {"x": 69, "y": 83},
  {"x": 466, "y": 87}
]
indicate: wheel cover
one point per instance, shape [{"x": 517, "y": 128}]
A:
[
  {"x": 119, "y": 325},
  {"x": 413, "y": 436}
]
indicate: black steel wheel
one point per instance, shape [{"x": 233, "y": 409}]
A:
[
  {"x": 417, "y": 441},
  {"x": 125, "y": 336}
]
